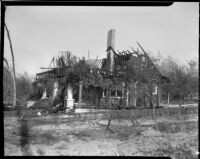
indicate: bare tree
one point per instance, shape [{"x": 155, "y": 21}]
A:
[
  {"x": 7, "y": 85},
  {"x": 13, "y": 63},
  {"x": 184, "y": 79}
]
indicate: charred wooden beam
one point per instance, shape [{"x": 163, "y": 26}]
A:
[{"x": 149, "y": 58}]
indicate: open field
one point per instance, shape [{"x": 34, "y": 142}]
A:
[{"x": 164, "y": 136}]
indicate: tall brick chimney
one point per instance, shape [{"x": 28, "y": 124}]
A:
[{"x": 110, "y": 54}]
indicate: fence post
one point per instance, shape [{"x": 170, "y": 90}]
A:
[
  {"x": 127, "y": 97},
  {"x": 123, "y": 93},
  {"x": 135, "y": 96},
  {"x": 168, "y": 98},
  {"x": 158, "y": 96}
]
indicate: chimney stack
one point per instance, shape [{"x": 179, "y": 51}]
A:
[{"x": 110, "y": 53}]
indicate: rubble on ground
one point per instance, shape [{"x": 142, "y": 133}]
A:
[{"x": 44, "y": 104}]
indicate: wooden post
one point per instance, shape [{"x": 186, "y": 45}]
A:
[
  {"x": 153, "y": 108},
  {"x": 168, "y": 98},
  {"x": 123, "y": 93},
  {"x": 80, "y": 94},
  {"x": 99, "y": 98},
  {"x": 127, "y": 97},
  {"x": 158, "y": 96},
  {"x": 135, "y": 95},
  {"x": 180, "y": 100}
]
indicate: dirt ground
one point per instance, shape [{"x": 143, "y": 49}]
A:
[{"x": 90, "y": 137}]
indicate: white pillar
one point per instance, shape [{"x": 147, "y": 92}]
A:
[
  {"x": 115, "y": 93},
  {"x": 127, "y": 97},
  {"x": 44, "y": 95},
  {"x": 123, "y": 89},
  {"x": 70, "y": 100},
  {"x": 103, "y": 95},
  {"x": 69, "y": 91},
  {"x": 55, "y": 90}
]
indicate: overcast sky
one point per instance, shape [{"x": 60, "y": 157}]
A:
[{"x": 39, "y": 32}]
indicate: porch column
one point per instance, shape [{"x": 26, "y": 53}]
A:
[
  {"x": 116, "y": 93},
  {"x": 69, "y": 98},
  {"x": 123, "y": 89},
  {"x": 55, "y": 90},
  {"x": 44, "y": 95},
  {"x": 103, "y": 94},
  {"x": 127, "y": 98}
]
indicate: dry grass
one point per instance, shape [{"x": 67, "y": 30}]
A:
[
  {"x": 172, "y": 147},
  {"x": 181, "y": 151},
  {"x": 80, "y": 137}
]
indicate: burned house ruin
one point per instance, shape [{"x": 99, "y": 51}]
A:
[{"x": 123, "y": 80}]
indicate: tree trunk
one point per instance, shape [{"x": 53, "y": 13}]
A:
[
  {"x": 7, "y": 81},
  {"x": 13, "y": 63},
  {"x": 106, "y": 99},
  {"x": 109, "y": 121}
]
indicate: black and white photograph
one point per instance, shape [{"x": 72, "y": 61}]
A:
[{"x": 103, "y": 80}]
